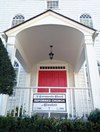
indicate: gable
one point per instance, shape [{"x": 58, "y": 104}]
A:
[{"x": 49, "y": 17}]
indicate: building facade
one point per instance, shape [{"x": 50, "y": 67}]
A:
[{"x": 54, "y": 47}]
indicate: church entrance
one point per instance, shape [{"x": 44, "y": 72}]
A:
[{"x": 51, "y": 97}]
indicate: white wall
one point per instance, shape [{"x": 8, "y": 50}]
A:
[
  {"x": 30, "y": 8},
  {"x": 69, "y": 8}
]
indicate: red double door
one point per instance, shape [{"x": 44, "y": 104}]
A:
[{"x": 52, "y": 79}]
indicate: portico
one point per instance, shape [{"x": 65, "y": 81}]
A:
[{"x": 72, "y": 45}]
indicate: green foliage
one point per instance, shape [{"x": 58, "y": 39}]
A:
[
  {"x": 38, "y": 124},
  {"x": 65, "y": 126},
  {"x": 94, "y": 116},
  {"x": 7, "y": 72}
]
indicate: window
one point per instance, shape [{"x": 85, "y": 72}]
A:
[
  {"x": 86, "y": 19},
  {"x": 17, "y": 20},
  {"x": 98, "y": 67},
  {"x": 52, "y": 4},
  {"x": 16, "y": 67},
  {"x": 52, "y": 67}
]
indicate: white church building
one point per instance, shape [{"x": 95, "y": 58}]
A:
[{"x": 54, "y": 46}]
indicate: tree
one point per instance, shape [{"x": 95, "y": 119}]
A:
[{"x": 7, "y": 72}]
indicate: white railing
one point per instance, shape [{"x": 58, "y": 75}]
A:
[{"x": 79, "y": 100}]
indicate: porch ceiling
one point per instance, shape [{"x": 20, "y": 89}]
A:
[{"x": 33, "y": 44}]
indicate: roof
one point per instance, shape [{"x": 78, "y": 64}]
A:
[{"x": 54, "y": 13}]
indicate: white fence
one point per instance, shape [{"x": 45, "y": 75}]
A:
[{"x": 78, "y": 101}]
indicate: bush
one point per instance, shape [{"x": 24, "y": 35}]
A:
[
  {"x": 37, "y": 124},
  {"x": 94, "y": 116},
  {"x": 65, "y": 126}
]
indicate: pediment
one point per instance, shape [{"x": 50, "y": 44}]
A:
[{"x": 49, "y": 17}]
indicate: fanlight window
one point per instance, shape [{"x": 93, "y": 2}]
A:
[
  {"x": 17, "y": 20},
  {"x": 86, "y": 19}
]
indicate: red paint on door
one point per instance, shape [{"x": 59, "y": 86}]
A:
[{"x": 52, "y": 79}]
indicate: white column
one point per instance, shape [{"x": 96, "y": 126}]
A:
[
  {"x": 93, "y": 71},
  {"x": 28, "y": 99},
  {"x": 3, "y": 104},
  {"x": 11, "y": 48}
]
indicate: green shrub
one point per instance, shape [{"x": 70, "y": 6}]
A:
[
  {"x": 38, "y": 124},
  {"x": 94, "y": 116},
  {"x": 65, "y": 126}
]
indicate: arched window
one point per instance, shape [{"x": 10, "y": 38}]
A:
[
  {"x": 86, "y": 19},
  {"x": 17, "y": 20},
  {"x": 98, "y": 67},
  {"x": 16, "y": 67}
]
